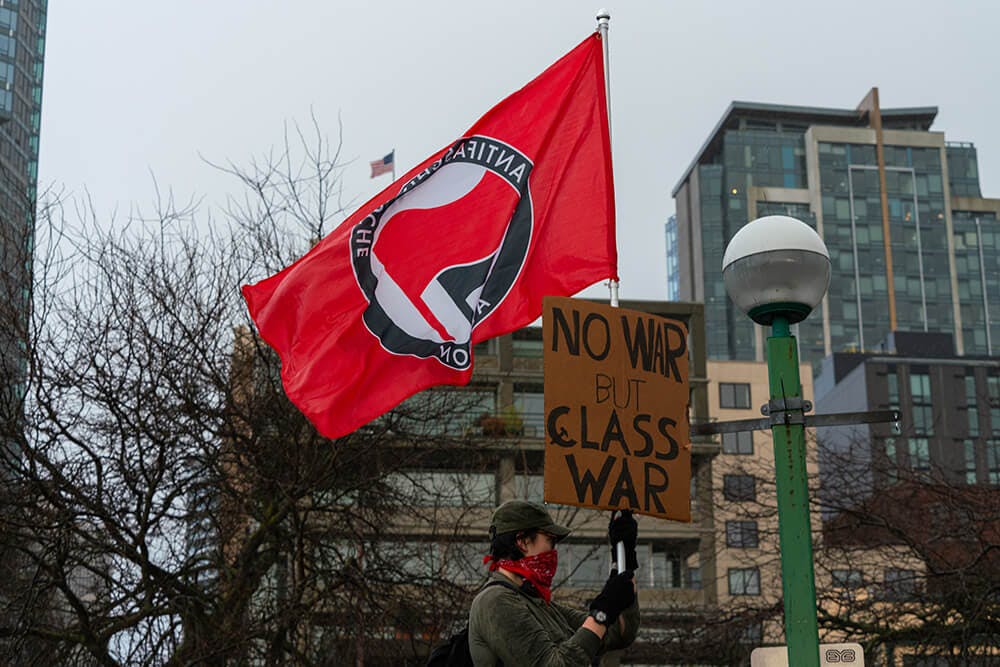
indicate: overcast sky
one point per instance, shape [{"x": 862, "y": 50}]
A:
[{"x": 137, "y": 87}]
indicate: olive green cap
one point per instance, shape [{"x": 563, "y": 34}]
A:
[{"x": 524, "y": 515}]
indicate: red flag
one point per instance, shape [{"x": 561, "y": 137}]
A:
[{"x": 460, "y": 249}]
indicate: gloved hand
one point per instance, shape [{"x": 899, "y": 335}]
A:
[
  {"x": 623, "y": 528},
  {"x": 617, "y": 596}
]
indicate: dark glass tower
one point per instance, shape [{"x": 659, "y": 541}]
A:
[
  {"x": 22, "y": 52},
  {"x": 913, "y": 244}
]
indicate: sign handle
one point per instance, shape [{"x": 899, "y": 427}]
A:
[{"x": 620, "y": 552}]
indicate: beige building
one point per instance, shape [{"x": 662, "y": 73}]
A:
[{"x": 747, "y": 566}]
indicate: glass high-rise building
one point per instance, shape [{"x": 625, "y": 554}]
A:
[
  {"x": 22, "y": 52},
  {"x": 673, "y": 274},
  {"x": 913, "y": 244}
]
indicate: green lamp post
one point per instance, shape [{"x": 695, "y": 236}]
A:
[{"x": 776, "y": 270}]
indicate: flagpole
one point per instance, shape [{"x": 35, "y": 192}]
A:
[
  {"x": 393, "y": 164},
  {"x": 603, "y": 19}
]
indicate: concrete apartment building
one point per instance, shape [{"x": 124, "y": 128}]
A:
[
  {"x": 678, "y": 577},
  {"x": 497, "y": 455},
  {"x": 748, "y": 567},
  {"x": 918, "y": 519}
]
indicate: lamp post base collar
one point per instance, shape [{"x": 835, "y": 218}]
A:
[{"x": 765, "y": 314}]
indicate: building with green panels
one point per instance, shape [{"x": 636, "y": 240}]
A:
[
  {"x": 911, "y": 240},
  {"x": 22, "y": 52}
]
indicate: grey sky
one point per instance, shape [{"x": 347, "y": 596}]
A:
[{"x": 135, "y": 87}]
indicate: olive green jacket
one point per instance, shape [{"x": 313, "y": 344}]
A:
[{"x": 511, "y": 628}]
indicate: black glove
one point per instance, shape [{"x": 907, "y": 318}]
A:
[
  {"x": 617, "y": 596},
  {"x": 624, "y": 528}
]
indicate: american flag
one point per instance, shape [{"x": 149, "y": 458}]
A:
[{"x": 383, "y": 166}]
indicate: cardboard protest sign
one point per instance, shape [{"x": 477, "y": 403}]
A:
[{"x": 616, "y": 409}]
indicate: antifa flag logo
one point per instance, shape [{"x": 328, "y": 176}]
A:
[{"x": 436, "y": 260}]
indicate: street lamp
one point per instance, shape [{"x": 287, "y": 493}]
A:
[{"x": 776, "y": 270}]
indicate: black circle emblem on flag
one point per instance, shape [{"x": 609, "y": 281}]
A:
[{"x": 438, "y": 258}]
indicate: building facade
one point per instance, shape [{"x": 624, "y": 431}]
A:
[
  {"x": 485, "y": 445},
  {"x": 912, "y": 514},
  {"x": 748, "y": 564},
  {"x": 950, "y": 427},
  {"x": 673, "y": 269},
  {"x": 911, "y": 239},
  {"x": 22, "y": 53},
  {"x": 678, "y": 578}
]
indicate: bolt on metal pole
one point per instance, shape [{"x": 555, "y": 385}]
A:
[{"x": 797, "y": 578}]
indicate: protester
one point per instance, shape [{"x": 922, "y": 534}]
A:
[{"x": 515, "y": 623}]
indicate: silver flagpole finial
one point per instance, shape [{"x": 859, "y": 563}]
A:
[{"x": 603, "y": 16}]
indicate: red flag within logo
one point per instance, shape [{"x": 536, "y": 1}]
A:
[{"x": 460, "y": 249}]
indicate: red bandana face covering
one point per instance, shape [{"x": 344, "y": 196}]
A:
[{"x": 539, "y": 570}]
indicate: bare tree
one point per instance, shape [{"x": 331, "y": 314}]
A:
[
  {"x": 907, "y": 563},
  {"x": 165, "y": 504},
  {"x": 912, "y": 559}
]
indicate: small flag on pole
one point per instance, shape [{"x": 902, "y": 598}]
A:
[{"x": 383, "y": 166}]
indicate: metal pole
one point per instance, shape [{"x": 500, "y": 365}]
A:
[
  {"x": 603, "y": 21},
  {"x": 797, "y": 579}
]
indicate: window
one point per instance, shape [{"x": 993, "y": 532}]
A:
[
  {"x": 921, "y": 406},
  {"x": 993, "y": 387},
  {"x": 453, "y": 411},
  {"x": 445, "y": 489},
  {"x": 892, "y": 463},
  {"x": 584, "y": 565},
  {"x": 694, "y": 578},
  {"x": 529, "y": 407},
  {"x": 530, "y": 487},
  {"x": 527, "y": 342},
  {"x": 970, "y": 402},
  {"x": 752, "y": 634},
  {"x": 744, "y": 581},
  {"x": 7, "y": 46},
  {"x": 463, "y": 561},
  {"x": 415, "y": 562},
  {"x": 737, "y": 443},
  {"x": 893, "y": 382},
  {"x": 734, "y": 395},
  {"x": 847, "y": 579},
  {"x": 488, "y": 346},
  {"x": 920, "y": 455},
  {"x": 970, "y": 461},
  {"x": 741, "y": 534},
  {"x": 993, "y": 462},
  {"x": 739, "y": 487},
  {"x": 899, "y": 584},
  {"x": 665, "y": 568}
]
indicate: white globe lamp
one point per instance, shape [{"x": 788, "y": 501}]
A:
[{"x": 776, "y": 267}]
